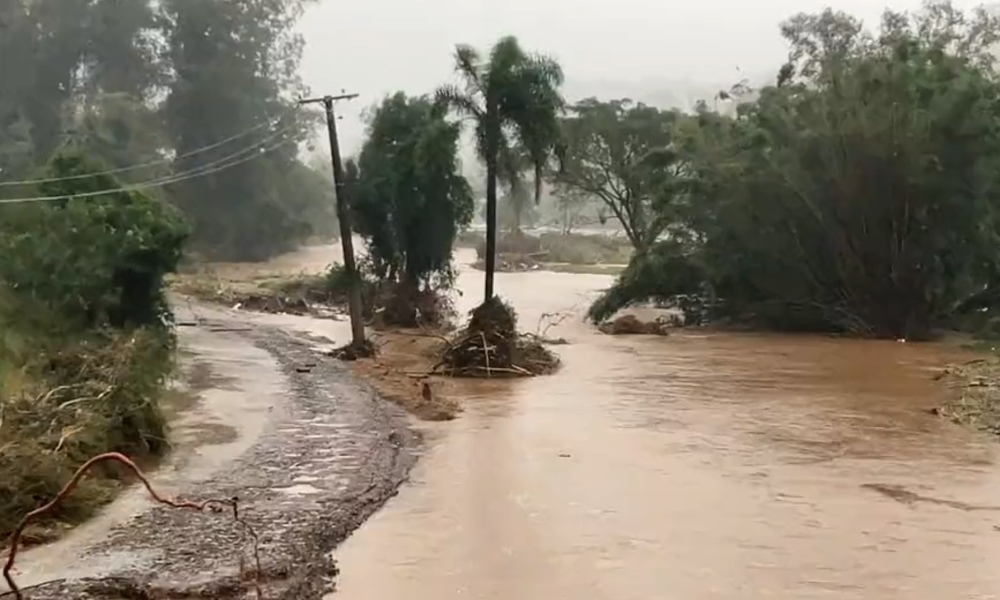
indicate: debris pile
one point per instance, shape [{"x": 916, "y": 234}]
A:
[
  {"x": 492, "y": 347},
  {"x": 632, "y": 325}
]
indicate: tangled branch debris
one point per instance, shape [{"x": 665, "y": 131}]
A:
[
  {"x": 491, "y": 347},
  {"x": 216, "y": 506}
]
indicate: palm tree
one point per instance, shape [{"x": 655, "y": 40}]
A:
[{"x": 513, "y": 99}]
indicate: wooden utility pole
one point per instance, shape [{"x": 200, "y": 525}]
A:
[{"x": 344, "y": 216}]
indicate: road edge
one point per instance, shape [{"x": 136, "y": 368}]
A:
[{"x": 330, "y": 412}]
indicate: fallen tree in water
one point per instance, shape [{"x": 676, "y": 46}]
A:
[{"x": 490, "y": 346}]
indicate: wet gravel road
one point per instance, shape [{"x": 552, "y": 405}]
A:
[{"x": 331, "y": 453}]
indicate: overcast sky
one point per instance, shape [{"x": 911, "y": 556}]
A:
[{"x": 375, "y": 47}]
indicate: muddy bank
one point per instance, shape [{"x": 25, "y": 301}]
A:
[
  {"x": 975, "y": 401},
  {"x": 328, "y": 455}
]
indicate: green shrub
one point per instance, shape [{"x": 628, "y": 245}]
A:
[{"x": 85, "y": 339}]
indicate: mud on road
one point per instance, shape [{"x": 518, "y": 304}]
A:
[{"x": 331, "y": 453}]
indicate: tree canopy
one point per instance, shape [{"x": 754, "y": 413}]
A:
[
  {"x": 858, "y": 193},
  {"x": 513, "y": 101},
  {"x": 141, "y": 81},
  {"x": 410, "y": 200},
  {"x": 624, "y": 153}
]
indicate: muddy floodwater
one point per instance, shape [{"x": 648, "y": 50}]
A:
[{"x": 694, "y": 466}]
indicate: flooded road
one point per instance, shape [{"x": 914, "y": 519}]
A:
[{"x": 689, "y": 467}]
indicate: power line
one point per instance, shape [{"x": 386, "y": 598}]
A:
[
  {"x": 161, "y": 161},
  {"x": 200, "y": 171},
  {"x": 256, "y": 146}
]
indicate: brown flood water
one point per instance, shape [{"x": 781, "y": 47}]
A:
[{"x": 695, "y": 466}]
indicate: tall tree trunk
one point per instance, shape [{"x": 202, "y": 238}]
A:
[
  {"x": 516, "y": 205},
  {"x": 491, "y": 224},
  {"x": 493, "y": 136}
]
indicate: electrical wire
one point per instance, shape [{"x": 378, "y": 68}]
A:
[
  {"x": 161, "y": 161},
  {"x": 195, "y": 173},
  {"x": 254, "y": 147}
]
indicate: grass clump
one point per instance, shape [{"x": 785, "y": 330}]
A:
[{"x": 69, "y": 403}]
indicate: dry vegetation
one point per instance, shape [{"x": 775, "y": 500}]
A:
[
  {"x": 423, "y": 369},
  {"x": 491, "y": 346},
  {"x": 976, "y": 398},
  {"x": 59, "y": 410},
  {"x": 255, "y": 288},
  {"x": 566, "y": 253}
]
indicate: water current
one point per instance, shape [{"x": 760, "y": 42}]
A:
[{"x": 695, "y": 466}]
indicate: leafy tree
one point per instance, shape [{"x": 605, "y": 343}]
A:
[
  {"x": 233, "y": 64},
  {"x": 137, "y": 81},
  {"x": 410, "y": 198},
  {"x": 95, "y": 261},
  {"x": 571, "y": 205},
  {"x": 85, "y": 343},
  {"x": 856, "y": 194},
  {"x": 512, "y": 98},
  {"x": 624, "y": 154}
]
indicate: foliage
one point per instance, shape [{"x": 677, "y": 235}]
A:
[
  {"x": 574, "y": 248},
  {"x": 513, "y": 99},
  {"x": 93, "y": 261},
  {"x": 858, "y": 193},
  {"x": 572, "y": 207},
  {"x": 233, "y": 64},
  {"x": 664, "y": 272},
  {"x": 64, "y": 403},
  {"x": 582, "y": 249},
  {"x": 85, "y": 342},
  {"x": 410, "y": 200},
  {"x": 624, "y": 153},
  {"x": 133, "y": 82}
]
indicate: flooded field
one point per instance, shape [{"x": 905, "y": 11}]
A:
[{"x": 694, "y": 466}]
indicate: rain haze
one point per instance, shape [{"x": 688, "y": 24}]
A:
[
  {"x": 642, "y": 346},
  {"x": 658, "y": 52}
]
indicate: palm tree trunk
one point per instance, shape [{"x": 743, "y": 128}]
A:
[{"x": 491, "y": 224}]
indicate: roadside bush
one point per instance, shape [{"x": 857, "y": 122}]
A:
[
  {"x": 469, "y": 239},
  {"x": 99, "y": 394},
  {"x": 86, "y": 344},
  {"x": 92, "y": 261}
]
